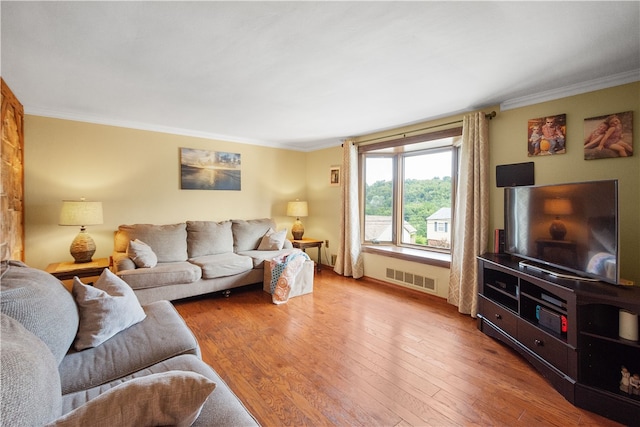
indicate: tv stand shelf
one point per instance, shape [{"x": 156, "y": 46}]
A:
[{"x": 566, "y": 328}]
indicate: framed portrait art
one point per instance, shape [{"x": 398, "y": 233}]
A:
[
  {"x": 547, "y": 135},
  {"x": 608, "y": 136}
]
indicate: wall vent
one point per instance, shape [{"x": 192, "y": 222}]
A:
[
  {"x": 407, "y": 278},
  {"x": 419, "y": 281}
]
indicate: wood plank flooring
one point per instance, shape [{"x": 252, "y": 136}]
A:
[{"x": 362, "y": 353}]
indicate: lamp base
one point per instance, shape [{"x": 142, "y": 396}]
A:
[
  {"x": 82, "y": 248},
  {"x": 297, "y": 230},
  {"x": 557, "y": 230}
]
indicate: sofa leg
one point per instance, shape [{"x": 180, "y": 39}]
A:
[{"x": 226, "y": 293}]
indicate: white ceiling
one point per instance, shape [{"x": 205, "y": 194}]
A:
[{"x": 304, "y": 75}]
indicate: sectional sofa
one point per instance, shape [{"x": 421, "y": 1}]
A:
[
  {"x": 98, "y": 358},
  {"x": 174, "y": 261}
]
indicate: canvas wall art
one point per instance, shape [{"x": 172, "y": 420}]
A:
[
  {"x": 209, "y": 170},
  {"x": 547, "y": 135},
  {"x": 608, "y": 136}
]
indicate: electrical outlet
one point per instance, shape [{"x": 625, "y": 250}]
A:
[{"x": 326, "y": 243}]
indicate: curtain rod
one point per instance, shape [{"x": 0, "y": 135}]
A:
[{"x": 489, "y": 116}]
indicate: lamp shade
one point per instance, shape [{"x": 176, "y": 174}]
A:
[
  {"x": 297, "y": 209},
  {"x": 558, "y": 207},
  {"x": 80, "y": 212}
]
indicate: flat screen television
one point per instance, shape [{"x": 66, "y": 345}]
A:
[{"x": 572, "y": 227}]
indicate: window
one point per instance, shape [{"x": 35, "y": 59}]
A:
[{"x": 408, "y": 191}]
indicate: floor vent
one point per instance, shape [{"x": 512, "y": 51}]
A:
[{"x": 404, "y": 277}]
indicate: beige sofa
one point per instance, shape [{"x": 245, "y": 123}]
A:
[{"x": 196, "y": 257}]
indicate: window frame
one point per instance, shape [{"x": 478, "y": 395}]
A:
[{"x": 398, "y": 149}]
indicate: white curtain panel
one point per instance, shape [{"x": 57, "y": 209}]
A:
[
  {"x": 471, "y": 230},
  {"x": 349, "y": 261}
]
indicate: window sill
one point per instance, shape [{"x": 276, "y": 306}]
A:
[{"x": 415, "y": 255}]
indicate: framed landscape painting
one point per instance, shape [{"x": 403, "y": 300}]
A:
[{"x": 209, "y": 170}]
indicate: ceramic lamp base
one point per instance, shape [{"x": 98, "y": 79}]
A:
[
  {"x": 297, "y": 230},
  {"x": 82, "y": 248}
]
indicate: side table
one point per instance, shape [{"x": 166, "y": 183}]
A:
[
  {"x": 309, "y": 243},
  {"x": 68, "y": 270}
]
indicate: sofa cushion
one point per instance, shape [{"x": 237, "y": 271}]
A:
[
  {"x": 162, "y": 335},
  {"x": 41, "y": 303},
  {"x": 259, "y": 257},
  {"x": 222, "y": 408},
  {"x": 168, "y": 242},
  {"x": 29, "y": 375},
  {"x": 141, "y": 254},
  {"x": 170, "y": 398},
  {"x": 273, "y": 240},
  {"x": 222, "y": 265},
  {"x": 248, "y": 233},
  {"x": 208, "y": 238},
  {"x": 108, "y": 307},
  {"x": 168, "y": 273}
]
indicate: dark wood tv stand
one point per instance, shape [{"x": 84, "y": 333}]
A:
[{"x": 527, "y": 309}]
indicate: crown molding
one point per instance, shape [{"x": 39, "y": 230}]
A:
[
  {"x": 550, "y": 95},
  {"x": 86, "y": 118},
  {"x": 571, "y": 90}
]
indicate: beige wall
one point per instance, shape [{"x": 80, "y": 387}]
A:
[
  {"x": 136, "y": 176},
  {"x": 508, "y": 136},
  {"x": 508, "y": 145}
]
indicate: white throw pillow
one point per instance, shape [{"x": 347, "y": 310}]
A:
[
  {"x": 273, "y": 240},
  {"x": 141, "y": 254},
  {"x": 173, "y": 398},
  {"x": 105, "y": 309}
]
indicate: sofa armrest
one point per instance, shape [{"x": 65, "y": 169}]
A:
[{"x": 122, "y": 262}]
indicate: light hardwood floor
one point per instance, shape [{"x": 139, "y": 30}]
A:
[{"x": 362, "y": 353}]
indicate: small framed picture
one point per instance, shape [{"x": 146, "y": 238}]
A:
[
  {"x": 547, "y": 135},
  {"x": 334, "y": 175},
  {"x": 608, "y": 136}
]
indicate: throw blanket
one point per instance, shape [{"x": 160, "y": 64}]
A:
[{"x": 284, "y": 270}]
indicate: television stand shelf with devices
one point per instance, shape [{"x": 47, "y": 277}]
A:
[{"x": 567, "y": 328}]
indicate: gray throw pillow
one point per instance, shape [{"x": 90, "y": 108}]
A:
[
  {"x": 105, "y": 309},
  {"x": 273, "y": 240},
  {"x": 173, "y": 398},
  {"x": 141, "y": 254}
]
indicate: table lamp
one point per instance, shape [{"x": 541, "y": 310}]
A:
[
  {"x": 82, "y": 213},
  {"x": 297, "y": 209},
  {"x": 558, "y": 207}
]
